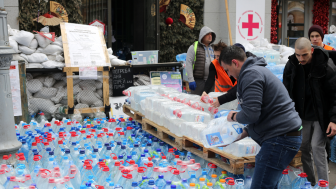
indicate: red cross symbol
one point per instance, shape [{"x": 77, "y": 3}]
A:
[{"x": 250, "y": 25}]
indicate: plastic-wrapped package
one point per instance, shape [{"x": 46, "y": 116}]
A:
[
  {"x": 169, "y": 109},
  {"x": 192, "y": 129},
  {"x": 191, "y": 115},
  {"x": 221, "y": 132},
  {"x": 244, "y": 147}
]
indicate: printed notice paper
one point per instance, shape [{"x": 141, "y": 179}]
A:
[{"x": 15, "y": 87}]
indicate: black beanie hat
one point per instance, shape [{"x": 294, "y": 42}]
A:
[
  {"x": 316, "y": 28},
  {"x": 240, "y": 45}
]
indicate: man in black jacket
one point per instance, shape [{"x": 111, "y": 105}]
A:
[{"x": 310, "y": 78}]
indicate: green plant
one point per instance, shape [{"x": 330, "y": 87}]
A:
[
  {"x": 29, "y": 10},
  {"x": 177, "y": 38}
]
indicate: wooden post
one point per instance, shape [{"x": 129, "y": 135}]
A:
[
  {"x": 24, "y": 100},
  {"x": 228, "y": 20}
]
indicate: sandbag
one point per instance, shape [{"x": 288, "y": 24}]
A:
[
  {"x": 29, "y": 76},
  {"x": 79, "y": 106},
  {"x": 57, "y": 43},
  {"x": 17, "y": 57},
  {"x": 59, "y": 58},
  {"x": 52, "y": 57},
  {"x": 49, "y": 82},
  {"x": 58, "y": 76},
  {"x": 53, "y": 64},
  {"x": 59, "y": 84},
  {"x": 32, "y": 109},
  {"x": 37, "y": 58},
  {"x": 88, "y": 97},
  {"x": 116, "y": 62},
  {"x": 34, "y": 65},
  {"x": 41, "y": 78},
  {"x": 42, "y": 41},
  {"x": 34, "y": 85},
  {"x": 99, "y": 85},
  {"x": 24, "y": 56},
  {"x": 44, "y": 105},
  {"x": 24, "y": 37},
  {"x": 76, "y": 89},
  {"x": 14, "y": 44},
  {"x": 39, "y": 50},
  {"x": 100, "y": 93},
  {"x": 46, "y": 93},
  {"x": 26, "y": 50},
  {"x": 61, "y": 93},
  {"x": 88, "y": 85},
  {"x": 52, "y": 50},
  {"x": 33, "y": 44}
]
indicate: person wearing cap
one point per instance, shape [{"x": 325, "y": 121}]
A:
[
  {"x": 268, "y": 112},
  {"x": 199, "y": 56},
  {"x": 316, "y": 37},
  {"x": 217, "y": 75},
  {"x": 310, "y": 79},
  {"x": 231, "y": 93}
]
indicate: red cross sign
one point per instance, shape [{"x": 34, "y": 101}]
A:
[{"x": 250, "y": 25}]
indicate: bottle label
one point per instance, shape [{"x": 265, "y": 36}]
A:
[
  {"x": 214, "y": 139},
  {"x": 199, "y": 118}
]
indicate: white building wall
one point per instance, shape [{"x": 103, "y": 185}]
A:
[
  {"x": 12, "y": 8},
  {"x": 215, "y": 18}
]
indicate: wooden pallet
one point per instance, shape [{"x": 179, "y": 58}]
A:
[
  {"x": 138, "y": 117},
  {"x": 128, "y": 110},
  {"x": 162, "y": 133},
  {"x": 106, "y": 100},
  {"x": 296, "y": 162}
]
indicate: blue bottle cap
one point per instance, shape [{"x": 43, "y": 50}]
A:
[
  {"x": 108, "y": 148},
  {"x": 162, "y": 143},
  {"x": 158, "y": 150},
  {"x": 100, "y": 160},
  {"x": 86, "y": 145},
  {"x": 151, "y": 182},
  {"x": 65, "y": 157},
  {"x": 36, "y": 153},
  {"x": 51, "y": 153},
  {"x": 111, "y": 184},
  {"x": 123, "y": 147},
  {"x": 82, "y": 151},
  {"x": 155, "y": 139},
  {"x": 184, "y": 180},
  {"x": 129, "y": 157},
  {"x": 93, "y": 155},
  {"x": 67, "y": 151},
  {"x": 144, "y": 178},
  {"x": 134, "y": 153},
  {"x": 95, "y": 150},
  {"x": 118, "y": 143},
  {"x": 106, "y": 144},
  {"x": 120, "y": 157},
  {"x": 150, "y": 136},
  {"x": 204, "y": 173},
  {"x": 248, "y": 177},
  {"x": 34, "y": 150},
  {"x": 160, "y": 176},
  {"x": 74, "y": 143},
  {"x": 90, "y": 176},
  {"x": 149, "y": 144},
  {"x": 88, "y": 184},
  {"x": 192, "y": 176},
  {"x": 143, "y": 155},
  {"x": 48, "y": 149},
  {"x": 146, "y": 151},
  {"x": 168, "y": 181},
  {"x": 136, "y": 145},
  {"x": 134, "y": 184}
]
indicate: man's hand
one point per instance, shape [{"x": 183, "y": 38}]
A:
[
  {"x": 203, "y": 94},
  {"x": 215, "y": 103},
  {"x": 331, "y": 129},
  {"x": 230, "y": 116},
  {"x": 192, "y": 85}
]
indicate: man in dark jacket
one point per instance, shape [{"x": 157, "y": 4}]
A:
[
  {"x": 269, "y": 112},
  {"x": 310, "y": 78}
]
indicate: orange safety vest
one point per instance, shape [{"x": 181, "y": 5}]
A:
[
  {"x": 327, "y": 47},
  {"x": 223, "y": 82}
]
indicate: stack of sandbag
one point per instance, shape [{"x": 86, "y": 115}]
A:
[
  {"x": 36, "y": 50},
  {"x": 48, "y": 93}
]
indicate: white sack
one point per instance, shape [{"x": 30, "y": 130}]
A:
[
  {"x": 49, "y": 82},
  {"x": 58, "y": 43},
  {"x": 52, "y": 57},
  {"x": 46, "y": 93},
  {"x": 33, "y": 44},
  {"x": 59, "y": 58},
  {"x": 53, "y": 64},
  {"x": 34, "y": 85},
  {"x": 34, "y": 65},
  {"x": 37, "y": 58},
  {"x": 24, "y": 38},
  {"x": 26, "y": 50},
  {"x": 39, "y": 50},
  {"x": 53, "y": 50},
  {"x": 42, "y": 41},
  {"x": 14, "y": 44},
  {"x": 44, "y": 105},
  {"x": 116, "y": 62}
]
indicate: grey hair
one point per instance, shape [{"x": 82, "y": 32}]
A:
[{"x": 302, "y": 43}]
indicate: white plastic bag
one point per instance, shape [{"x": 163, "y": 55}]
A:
[
  {"x": 59, "y": 58},
  {"x": 52, "y": 57},
  {"x": 24, "y": 38},
  {"x": 42, "y": 41},
  {"x": 58, "y": 43},
  {"x": 53, "y": 64},
  {"x": 37, "y": 58},
  {"x": 14, "y": 44},
  {"x": 26, "y": 50},
  {"x": 33, "y": 44},
  {"x": 34, "y": 65}
]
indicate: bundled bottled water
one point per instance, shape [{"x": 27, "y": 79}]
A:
[
  {"x": 244, "y": 147},
  {"x": 220, "y": 132}
]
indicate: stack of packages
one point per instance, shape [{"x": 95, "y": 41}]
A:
[
  {"x": 48, "y": 93},
  {"x": 36, "y": 50}
]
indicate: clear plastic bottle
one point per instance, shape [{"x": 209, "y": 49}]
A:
[
  {"x": 160, "y": 182},
  {"x": 202, "y": 182},
  {"x": 284, "y": 182},
  {"x": 306, "y": 185}
]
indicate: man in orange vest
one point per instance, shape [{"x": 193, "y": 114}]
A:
[
  {"x": 316, "y": 36},
  {"x": 217, "y": 75}
]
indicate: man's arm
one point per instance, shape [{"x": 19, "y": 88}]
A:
[
  {"x": 189, "y": 63},
  {"x": 287, "y": 76},
  {"x": 229, "y": 96},
  {"x": 252, "y": 94},
  {"x": 331, "y": 78},
  {"x": 211, "y": 78}
]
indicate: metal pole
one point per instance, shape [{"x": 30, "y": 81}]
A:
[
  {"x": 8, "y": 141},
  {"x": 109, "y": 24},
  {"x": 228, "y": 20}
]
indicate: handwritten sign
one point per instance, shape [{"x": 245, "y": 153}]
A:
[{"x": 122, "y": 78}]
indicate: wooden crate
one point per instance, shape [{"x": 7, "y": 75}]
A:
[
  {"x": 106, "y": 100},
  {"x": 128, "y": 110},
  {"x": 162, "y": 133},
  {"x": 296, "y": 162}
]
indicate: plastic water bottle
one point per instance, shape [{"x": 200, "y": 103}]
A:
[
  {"x": 284, "y": 182},
  {"x": 151, "y": 184},
  {"x": 306, "y": 185},
  {"x": 248, "y": 182},
  {"x": 323, "y": 184},
  {"x": 176, "y": 178},
  {"x": 160, "y": 182},
  {"x": 231, "y": 185},
  {"x": 185, "y": 183},
  {"x": 24, "y": 148},
  {"x": 167, "y": 185},
  {"x": 209, "y": 185},
  {"x": 213, "y": 179},
  {"x": 299, "y": 181},
  {"x": 135, "y": 185},
  {"x": 333, "y": 150}
]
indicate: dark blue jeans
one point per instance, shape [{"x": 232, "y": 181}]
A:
[{"x": 274, "y": 156}]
